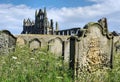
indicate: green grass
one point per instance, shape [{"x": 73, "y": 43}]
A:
[
  {"x": 26, "y": 66},
  {"x": 42, "y": 66}
]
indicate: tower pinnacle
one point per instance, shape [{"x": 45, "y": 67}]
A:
[
  {"x": 57, "y": 27},
  {"x": 45, "y": 13}
]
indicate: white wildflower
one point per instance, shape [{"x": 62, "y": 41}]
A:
[
  {"x": 11, "y": 69},
  {"x": 59, "y": 64},
  {"x": 42, "y": 53},
  {"x": 3, "y": 62},
  {"x": 18, "y": 62},
  {"x": 32, "y": 58},
  {"x": 59, "y": 77},
  {"x": 42, "y": 59},
  {"x": 13, "y": 57}
]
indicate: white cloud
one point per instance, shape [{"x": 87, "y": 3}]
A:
[
  {"x": 12, "y": 15},
  {"x": 79, "y": 16}
]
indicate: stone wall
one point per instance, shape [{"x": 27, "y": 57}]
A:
[{"x": 58, "y": 45}]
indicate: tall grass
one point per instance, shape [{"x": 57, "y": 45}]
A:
[{"x": 25, "y": 65}]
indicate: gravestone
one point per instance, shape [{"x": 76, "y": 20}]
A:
[
  {"x": 117, "y": 46},
  {"x": 7, "y": 42},
  {"x": 92, "y": 49},
  {"x": 20, "y": 41},
  {"x": 56, "y": 46},
  {"x": 35, "y": 44}
]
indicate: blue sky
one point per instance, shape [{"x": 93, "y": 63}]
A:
[
  {"x": 68, "y": 13},
  {"x": 48, "y": 3}
]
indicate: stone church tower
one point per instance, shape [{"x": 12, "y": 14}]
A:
[{"x": 40, "y": 26}]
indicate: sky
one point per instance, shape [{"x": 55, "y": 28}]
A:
[{"x": 68, "y": 13}]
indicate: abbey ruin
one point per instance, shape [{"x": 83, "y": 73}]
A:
[
  {"x": 90, "y": 47},
  {"x": 41, "y": 25}
]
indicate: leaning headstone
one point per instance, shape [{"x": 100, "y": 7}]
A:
[{"x": 92, "y": 49}]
